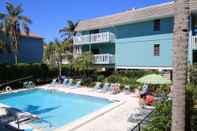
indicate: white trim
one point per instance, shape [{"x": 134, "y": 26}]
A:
[{"x": 144, "y": 67}]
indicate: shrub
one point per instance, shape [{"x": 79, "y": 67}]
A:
[
  {"x": 88, "y": 81},
  {"x": 161, "y": 118},
  {"x": 100, "y": 78},
  {"x": 193, "y": 74},
  {"x": 191, "y": 107},
  {"x": 37, "y": 71}
]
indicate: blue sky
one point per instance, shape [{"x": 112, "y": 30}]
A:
[{"x": 48, "y": 16}]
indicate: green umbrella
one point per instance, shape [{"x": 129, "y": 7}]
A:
[{"x": 154, "y": 79}]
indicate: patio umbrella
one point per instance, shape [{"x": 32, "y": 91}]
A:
[{"x": 154, "y": 79}]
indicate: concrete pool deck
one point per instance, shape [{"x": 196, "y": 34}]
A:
[{"x": 111, "y": 118}]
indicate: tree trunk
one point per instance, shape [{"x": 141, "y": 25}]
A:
[
  {"x": 180, "y": 47},
  {"x": 16, "y": 47},
  {"x": 15, "y": 58}
]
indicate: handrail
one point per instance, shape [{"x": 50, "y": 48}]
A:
[
  {"x": 10, "y": 82},
  {"x": 194, "y": 42},
  {"x": 94, "y": 38},
  {"x": 141, "y": 122}
]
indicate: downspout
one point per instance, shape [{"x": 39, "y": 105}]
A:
[{"x": 190, "y": 48}]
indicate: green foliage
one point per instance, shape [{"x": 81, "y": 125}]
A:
[
  {"x": 69, "y": 30},
  {"x": 88, "y": 81},
  {"x": 100, "y": 78},
  {"x": 193, "y": 74},
  {"x": 83, "y": 63},
  {"x": 161, "y": 118},
  {"x": 13, "y": 23},
  {"x": 191, "y": 107},
  {"x": 128, "y": 77},
  {"x": 38, "y": 71}
]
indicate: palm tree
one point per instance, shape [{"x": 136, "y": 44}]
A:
[
  {"x": 59, "y": 55},
  {"x": 180, "y": 48},
  {"x": 83, "y": 63},
  {"x": 12, "y": 24},
  {"x": 50, "y": 54},
  {"x": 69, "y": 30}
]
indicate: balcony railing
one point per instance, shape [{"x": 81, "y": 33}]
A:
[
  {"x": 104, "y": 59},
  {"x": 194, "y": 42},
  {"x": 106, "y": 37}
]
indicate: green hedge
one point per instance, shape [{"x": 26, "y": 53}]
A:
[{"x": 37, "y": 71}]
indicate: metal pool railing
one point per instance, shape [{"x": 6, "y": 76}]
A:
[
  {"x": 139, "y": 125},
  {"x": 14, "y": 81}
]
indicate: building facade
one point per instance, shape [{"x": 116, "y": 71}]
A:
[
  {"x": 30, "y": 49},
  {"x": 135, "y": 39}
]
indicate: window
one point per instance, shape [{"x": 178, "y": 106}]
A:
[
  {"x": 157, "y": 25},
  {"x": 157, "y": 50}
]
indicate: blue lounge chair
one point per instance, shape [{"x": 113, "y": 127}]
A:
[
  {"x": 97, "y": 86},
  {"x": 54, "y": 81},
  {"x": 77, "y": 85},
  {"x": 106, "y": 87},
  {"x": 70, "y": 82},
  {"x": 65, "y": 82}
]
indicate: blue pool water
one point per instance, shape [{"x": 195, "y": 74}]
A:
[{"x": 56, "y": 108}]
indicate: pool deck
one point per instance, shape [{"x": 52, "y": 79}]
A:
[{"x": 111, "y": 118}]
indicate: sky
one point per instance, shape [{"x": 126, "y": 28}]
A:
[{"x": 48, "y": 16}]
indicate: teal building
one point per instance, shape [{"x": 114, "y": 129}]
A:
[
  {"x": 134, "y": 39},
  {"x": 30, "y": 49}
]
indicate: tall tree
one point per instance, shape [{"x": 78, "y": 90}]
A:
[
  {"x": 59, "y": 55},
  {"x": 69, "y": 30},
  {"x": 83, "y": 63},
  {"x": 13, "y": 23},
  {"x": 180, "y": 48}
]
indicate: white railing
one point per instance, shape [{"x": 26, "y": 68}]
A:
[
  {"x": 194, "y": 42},
  {"x": 94, "y": 38},
  {"x": 104, "y": 59}
]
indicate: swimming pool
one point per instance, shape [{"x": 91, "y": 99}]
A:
[{"x": 54, "y": 108}]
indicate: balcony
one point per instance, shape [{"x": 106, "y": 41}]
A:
[
  {"x": 104, "y": 59},
  {"x": 194, "y": 42},
  {"x": 106, "y": 37}
]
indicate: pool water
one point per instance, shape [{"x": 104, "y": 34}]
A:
[{"x": 54, "y": 108}]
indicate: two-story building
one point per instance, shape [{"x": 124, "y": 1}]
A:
[
  {"x": 135, "y": 39},
  {"x": 30, "y": 49}
]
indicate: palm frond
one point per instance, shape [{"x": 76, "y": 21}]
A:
[
  {"x": 18, "y": 10},
  {"x": 9, "y": 7},
  {"x": 25, "y": 19},
  {"x": 25, "y": 28},
  {"x": 2, "y": 16}
]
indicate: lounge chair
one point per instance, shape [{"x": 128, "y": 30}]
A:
[
  {"x": 97, "y": 86},
  {"x": 12, "y": 118},
  {"x": 127, "y": 89},
  {"x": 54, "y": 81},
  {"x": 106, "y": 88},
  {"x": 65, "y": 82},
  {"x": 78, "y": 84},
  {"x": 70, "y": 82},
  {"x": 28, "y": 84},
  {"x": 138, "y": 115}
]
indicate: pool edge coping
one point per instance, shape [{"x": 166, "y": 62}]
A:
[{"x": 90, "y": 117}]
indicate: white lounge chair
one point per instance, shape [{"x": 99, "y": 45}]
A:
[
  {"x": 65, "y": 82},
  {"x": 78, "y": 84},
  {"x": 97, "y": 86},
  {"x": 106, "y": 87},
  {"x": 70, "y": 82}
]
